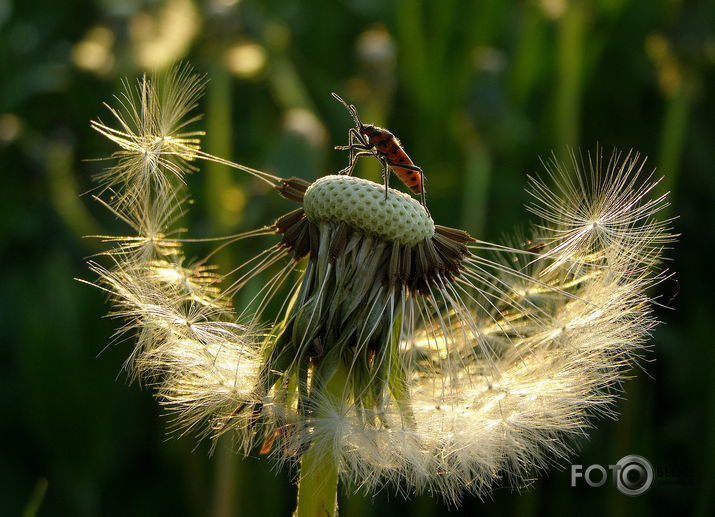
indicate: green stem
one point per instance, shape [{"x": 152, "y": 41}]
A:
[
  {"x": 318, "y": 486},
  {"x": 674, "y": 131},
  {"x": 36, "y": 499},
  {"x": 571, "y": 37},
  {"x": 318, "y": 480},
  {"x": 227, "y": 473}
]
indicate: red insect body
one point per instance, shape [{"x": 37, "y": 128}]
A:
[
  {"x": 366, "y": 139},
  {"x": 388, "y": 145}
]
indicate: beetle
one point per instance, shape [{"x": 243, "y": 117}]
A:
[{"x": 367, "y": 139}]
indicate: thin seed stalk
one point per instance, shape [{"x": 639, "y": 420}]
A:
[{"x": 318, "y": 478}]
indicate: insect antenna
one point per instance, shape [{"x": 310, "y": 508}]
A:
[{"x": 351, "y": 109}]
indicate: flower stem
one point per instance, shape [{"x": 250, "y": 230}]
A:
[
  {"x": 318, "y": 486},
  {"x": 318, "y": 480},
  {"x": 572, "y": 36}
]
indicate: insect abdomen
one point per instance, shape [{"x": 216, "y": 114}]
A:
[
  {"x": 411, "y": 178},
  {"x": 387, "y": 144}
]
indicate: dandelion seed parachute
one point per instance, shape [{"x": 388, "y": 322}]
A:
[{"x": 403, "y": 351}]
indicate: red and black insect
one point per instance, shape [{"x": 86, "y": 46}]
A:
[{"x": 366, "y": 139}]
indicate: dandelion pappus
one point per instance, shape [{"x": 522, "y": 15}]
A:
[{"x": 367, "y": 139}]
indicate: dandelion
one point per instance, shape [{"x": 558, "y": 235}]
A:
[{"x": 403, "y": 352}]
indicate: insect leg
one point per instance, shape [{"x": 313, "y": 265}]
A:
[
  {"x": 423, "y": 199},
  {"x": 349, "y": 168},
  {"x": 360, "y": 143},
  {"x": 406, "y": 166},
  {"x": 422, "y": 175},
  {"x": 386, "y": 174},
  {"x": 356, "y": 142},
  {"x": 423, "y": 194}
]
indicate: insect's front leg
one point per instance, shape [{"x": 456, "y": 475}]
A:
[
  {"x": 349, "y": 169},
  {"x": 357, "y": 146},
  {"x": 356, "y": 141}
]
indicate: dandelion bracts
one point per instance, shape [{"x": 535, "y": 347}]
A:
[{"x": 392, "y": 348}]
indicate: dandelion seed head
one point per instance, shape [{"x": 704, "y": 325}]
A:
[
  {"x": 407, "y": 353},
  {"x": 361, "y": 204}
]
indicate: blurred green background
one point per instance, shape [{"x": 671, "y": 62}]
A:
[{"x": 477, "y": 91}]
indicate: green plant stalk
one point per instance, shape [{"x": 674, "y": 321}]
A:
[
  {"x": 411, "y": 36},
  {"x": 318, "y": 478},
  {"x": 64, "y": 190},
  {"x": 672, "y": 139},
  {"x": 318, "y": 486},
  {"x": 225, "y": 497},
  {"x": 36, "y": 498},
  {"x": 475, "y": 198},
  {"x": 226, "y": 471},
  {"x": 528, "y": 53},
  {"x": 571, "y": 36},
  {"x": 220, "y": 128}
]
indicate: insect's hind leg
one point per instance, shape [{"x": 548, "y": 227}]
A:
[
  {"x": 423, "y": 200},
  {"x": 386, "y": 175},
  {"x": 423, "y": 193},
  {"x": 423, "y": 177}
]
